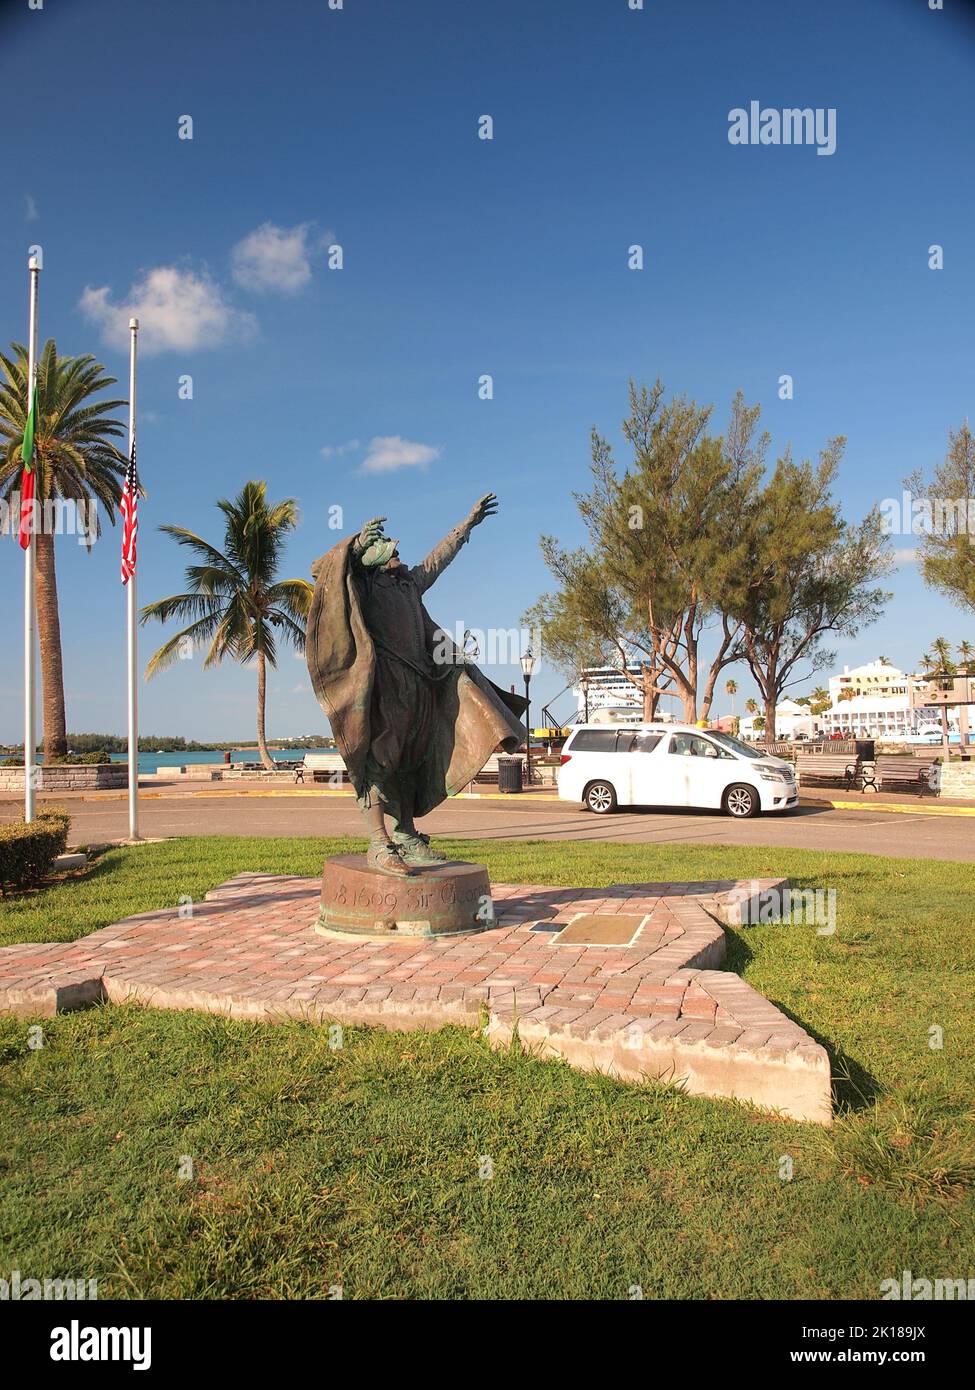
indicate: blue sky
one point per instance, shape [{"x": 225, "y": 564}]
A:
[{"x": 462, "y": 257}]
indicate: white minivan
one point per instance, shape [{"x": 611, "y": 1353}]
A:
[{"x": 610, "y": 765}]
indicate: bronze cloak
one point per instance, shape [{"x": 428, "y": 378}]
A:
[{"x": 473, "y": 715}]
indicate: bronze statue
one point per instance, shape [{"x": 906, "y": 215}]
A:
[{"x": 415, "y": 721}]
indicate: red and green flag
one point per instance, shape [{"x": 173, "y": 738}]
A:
[{"x": 28, "y": 480}]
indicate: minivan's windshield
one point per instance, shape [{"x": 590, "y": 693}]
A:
[{"x": 734, "y": 744}]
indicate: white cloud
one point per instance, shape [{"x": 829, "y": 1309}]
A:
[
  {"x": 178, "y": 311},
  {"x": 31, "y": 202},
  {"x": 274, "y": 259},
  {"x": 332, "y": 451},
  {"x": 388, "y": 452},
  {"x": 905, "y": 557}
]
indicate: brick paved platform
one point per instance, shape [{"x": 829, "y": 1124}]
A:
[{"x": 656, "y": 1007}]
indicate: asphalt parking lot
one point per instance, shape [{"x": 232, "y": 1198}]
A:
[{"x": 923, "y": 830}]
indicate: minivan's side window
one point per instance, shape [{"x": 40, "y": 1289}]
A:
[
  {"x": 644, "y": 743},
  {"x": 594, "y": 741},
  {"x": 691, "y": 745}
]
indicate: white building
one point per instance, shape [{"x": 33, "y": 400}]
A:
[
  {"x": 876, "y": 678},
  {"x": 791, "y": 719},
  {"x": 874, "y": 701},
  {"x": 871, "y": 701}
]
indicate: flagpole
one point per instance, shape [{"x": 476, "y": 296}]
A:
[
  {"x": 133, "y": 641},
  {"x": 30, "y": 710}
]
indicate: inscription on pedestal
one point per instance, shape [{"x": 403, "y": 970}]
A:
[{"x": 436, "y": 901}]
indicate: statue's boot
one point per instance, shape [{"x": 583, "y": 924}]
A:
[
  {"x": 416, "y": 849},
  {"x": 387, "y": 859}
]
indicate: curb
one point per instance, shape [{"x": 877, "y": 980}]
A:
[{"x": 899, "y": 807}]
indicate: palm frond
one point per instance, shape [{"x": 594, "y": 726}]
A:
[{"x": 172, "y": 650}]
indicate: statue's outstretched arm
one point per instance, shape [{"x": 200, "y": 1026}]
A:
[{"x": 441, "y": 555}]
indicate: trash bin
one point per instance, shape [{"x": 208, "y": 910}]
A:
[
  {"x": 226, "y": 757},
  {"x": 866, "y": 749},
  {"x": 509, "y": 775}
]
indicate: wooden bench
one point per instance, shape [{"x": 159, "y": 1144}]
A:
[
  {"x": 828, "y": 767},
  {"x": 780, "y": 749},
  {"x": 895, "y": 770},
  {"x": 489, "y": 772},
  {"x": 324, "y": 767}
]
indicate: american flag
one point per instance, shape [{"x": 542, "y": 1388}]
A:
[{"x": 129, "y": 507}]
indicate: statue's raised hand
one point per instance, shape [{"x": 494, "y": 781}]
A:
[
  {"x": 487, "y": 506},
  {"x": 371, "y": 532}
]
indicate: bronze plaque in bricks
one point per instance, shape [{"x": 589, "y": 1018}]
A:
[
  {"x": 437, "y": 901},
  {"x": 601, "y": 929}
]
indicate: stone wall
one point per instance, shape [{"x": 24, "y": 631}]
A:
[
  {"x": 69, "y": 777},
  {"x": 958, "y": 781}
]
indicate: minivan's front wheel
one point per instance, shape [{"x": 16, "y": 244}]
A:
[
  {"x": 741, "y": 801},
  {"x": 600, "y": 797}
]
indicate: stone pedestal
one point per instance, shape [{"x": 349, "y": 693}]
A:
[
  {"x": 957, "y": 780},
  {"x": 442, "y": 900}
]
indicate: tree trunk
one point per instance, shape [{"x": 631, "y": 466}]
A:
[
  {"x": 689, "y": 686},
  {"x": 650, "y": 699},
  {"x": 770, "y": 721},
  {"x": 266, "y": 758},
  {"x": 49, "y": 633}
]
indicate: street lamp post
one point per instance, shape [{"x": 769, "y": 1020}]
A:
[
  {"x": 584, "y": 687},
  {"x": 527, "y": 666},
  {"x": 945, "y": 683}
]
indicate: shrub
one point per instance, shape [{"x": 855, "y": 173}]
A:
[
  {"x": 12, "y": 762},
  {"x": 28, "y": 852},
  {"x": 80, "y": 759}
]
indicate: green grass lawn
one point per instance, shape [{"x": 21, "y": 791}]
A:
[{"x": 361, "y": 1167}]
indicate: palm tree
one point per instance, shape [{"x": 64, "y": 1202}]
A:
[
  {"x": 234, "y": 599},
  {"x": 731, "y": 688},
  {"x": 77, "y": 463},
  {"x": 751, "y": 706},
  {"x": 940, "y": 658},
  {"x": 966, "y": 655}
]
